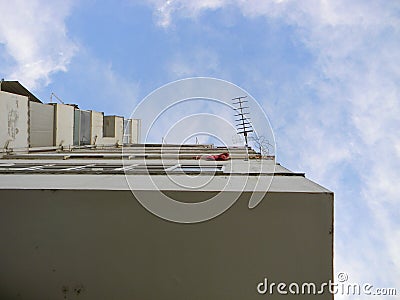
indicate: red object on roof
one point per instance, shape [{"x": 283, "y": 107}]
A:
[{"x": 219, "y": 157}]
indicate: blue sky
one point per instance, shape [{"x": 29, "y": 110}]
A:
[{"x": 327, "y": 74}]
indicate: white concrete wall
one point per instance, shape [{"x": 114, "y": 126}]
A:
[
  {"x": 136, "y": 129},
  {"x": 118, "y": 128},
  {"x": 64, "y": 125},
  {"x": 96, "y": 127},
  {"x": 14, "y": 121},
  {"x": 41, "y": 125}
]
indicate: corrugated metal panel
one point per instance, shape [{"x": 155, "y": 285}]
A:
[
  {"x": 127, "y": 131},
  {"x": 41, "y": 124},
  {"x": 84, "y": 137},
  {"x": 77, "y": 122},
  {"x": 82, "y": 124},
  {"x": 131, "y": 131}
]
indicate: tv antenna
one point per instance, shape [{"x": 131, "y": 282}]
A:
[
  {"x": 243, "y": 122},
  {"x": 55, "y": 96}
]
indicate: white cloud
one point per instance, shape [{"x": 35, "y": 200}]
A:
[
  {"x": 197, "y": 62},
  {"x": 118, "y": 94},
  {"x": 354, "y": 121},
  {"x": 103, "y": 89},
  {"x": 165, "y": 10},
  {"x": 34, "y": 35}
]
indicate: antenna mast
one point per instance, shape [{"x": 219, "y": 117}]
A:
[
  {"x": 55, "y": 96},
  {"x": 243, "y": 122}
]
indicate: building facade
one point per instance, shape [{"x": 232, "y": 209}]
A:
[
  {"x": 26, "y": 122},
  {"x": 77, "y": 222}
]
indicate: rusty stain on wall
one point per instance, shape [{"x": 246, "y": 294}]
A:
[
  {"x": 12, "y": 123},
  {"x": 78, "y": 290}
]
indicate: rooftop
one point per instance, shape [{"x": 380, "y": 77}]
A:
[
  {"x": 14, "y": 87},
  {"x": 106, "y": 167}
]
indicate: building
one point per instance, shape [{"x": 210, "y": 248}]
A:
[
  {"x": 73, "y": 226},
  {"x": 26, "y": 122}
]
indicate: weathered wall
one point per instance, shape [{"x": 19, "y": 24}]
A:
[
  {"x": 14, "y": 121},
  {"x": 109, "y": 126},
  {"x": 64, "y": 124},
  {"x": 63, "y": 244},
  {"x": 113, "y": 130},
  {"x": 96, "y": 127},
  {"x": 41, "y": 124},
  {"x": 119, "y": 129}
]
